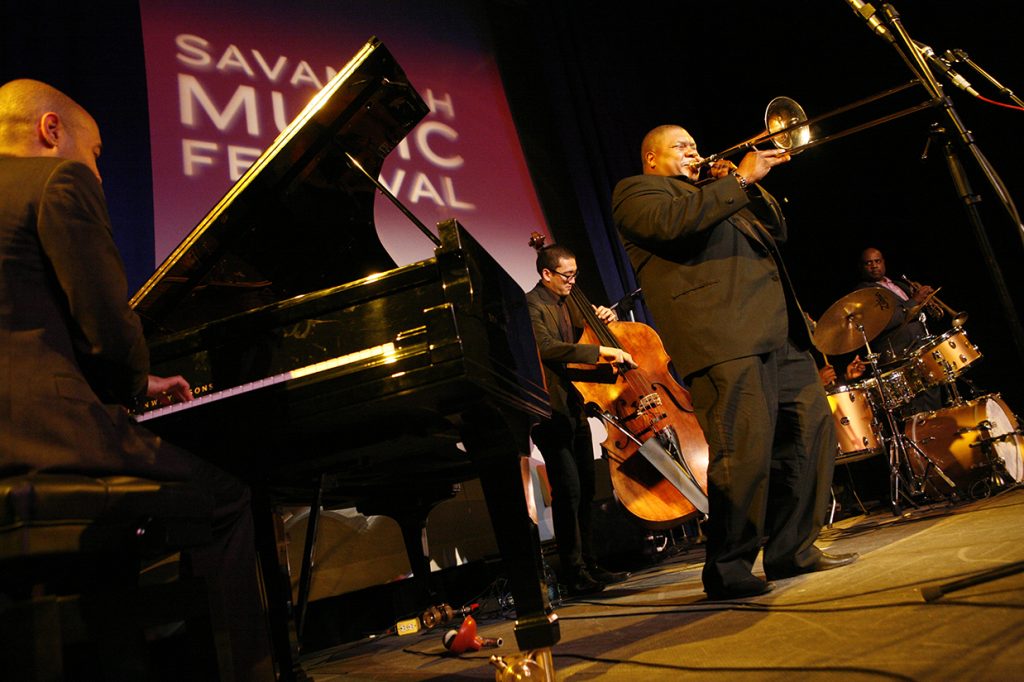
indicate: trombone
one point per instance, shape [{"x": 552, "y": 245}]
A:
[{"x": 788, "y": 128}]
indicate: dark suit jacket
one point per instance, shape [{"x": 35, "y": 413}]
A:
[
  {"x": 708, "y": 262},
  {"x": 897, "y": 338},
  {"x": 70, "y": 347},
  {"x": 545, "y": 314}
]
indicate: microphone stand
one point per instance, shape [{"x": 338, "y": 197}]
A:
[
  {"x": 928, "y": 81},
  {"x": 957, "y": 56},
  {"x": 627, "y": 304},
  {"x": 963, "y": 138}
]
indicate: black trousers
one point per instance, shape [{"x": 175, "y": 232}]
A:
[
  {"x": 566, "y": 446},
  {"x": 772, "y": 451},
  {"x": 228, "y": 563}
]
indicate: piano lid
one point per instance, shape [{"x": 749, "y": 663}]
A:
[{"x": 301, "y": 218}]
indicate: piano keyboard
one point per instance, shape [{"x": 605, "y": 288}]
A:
[{"x": 385, "y": 351}]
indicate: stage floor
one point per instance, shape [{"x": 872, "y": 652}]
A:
[{"x": 866, "y": 621}]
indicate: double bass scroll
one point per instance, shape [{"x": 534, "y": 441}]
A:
[{"x": 655, "y": 447}]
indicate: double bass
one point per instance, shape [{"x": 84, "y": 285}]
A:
[{"x": 656, "y": 450}]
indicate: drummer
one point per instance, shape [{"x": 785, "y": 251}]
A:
[{"x": 901, "y": 336}]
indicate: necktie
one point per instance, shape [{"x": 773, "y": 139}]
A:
[{"x": 564, "y": 324}]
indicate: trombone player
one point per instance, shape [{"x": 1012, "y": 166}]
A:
[{"x": 707, "y": 258}]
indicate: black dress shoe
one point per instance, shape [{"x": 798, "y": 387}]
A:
[
  {"x": 607, "y": 577},
  {"x": 582, "y": 584},
  {"x": 750, "y": 587},
  {"x": 824, "y": 563}
]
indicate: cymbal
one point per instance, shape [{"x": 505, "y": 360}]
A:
[{"x": 838, "y": 331}]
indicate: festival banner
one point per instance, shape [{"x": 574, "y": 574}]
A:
[{"x": 225, "y": 78}]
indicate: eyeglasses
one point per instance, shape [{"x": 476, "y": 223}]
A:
[{"x": 567, "y": 276}]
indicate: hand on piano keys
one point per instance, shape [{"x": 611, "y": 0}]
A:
[{"x": 168, "y": 390}]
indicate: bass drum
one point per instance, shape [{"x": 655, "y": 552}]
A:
[{"x": 965, "y": 441}]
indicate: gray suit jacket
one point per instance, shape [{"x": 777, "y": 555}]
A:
[
  {"x": 70, "y": 347},
  {"x": 708, "y": 262}
]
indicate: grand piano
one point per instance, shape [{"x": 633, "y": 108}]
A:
[{"x": 325, "y": 374}]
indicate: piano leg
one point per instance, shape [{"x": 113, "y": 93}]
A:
[
  {"x": 273, "y": 559},
  {"x": 495, "y": 439},
  {"x": 308, "y": 559}
]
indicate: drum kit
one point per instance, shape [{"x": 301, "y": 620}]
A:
[{"x": 962, "y": 450}]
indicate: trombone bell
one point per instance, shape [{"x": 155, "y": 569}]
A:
[{"x": 784, "y": 114}]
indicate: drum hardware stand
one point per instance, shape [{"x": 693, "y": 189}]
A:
[
  {"x": 955, "y": 399},
  {"x": 973, "y": 390},
  {"x": 897, "y": 446},
  {"x": 920, "y": 481},
  {"x": 853, "y": 490},
  {"x": 1000, "y": 476}
]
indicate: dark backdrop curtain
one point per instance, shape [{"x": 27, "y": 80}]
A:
[
  {"x": 577, "y": 121},
  {"x": 587, "y": 81}
]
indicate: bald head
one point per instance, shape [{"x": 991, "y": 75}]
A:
[
  {"x": 36, "y": 119},
  {"x": 669, "y": 150}
]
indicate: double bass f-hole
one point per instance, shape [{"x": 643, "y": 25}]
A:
[{"x": 655, "y": 448}]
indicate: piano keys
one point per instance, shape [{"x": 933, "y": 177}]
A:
[{"x": 319, "y": 362}]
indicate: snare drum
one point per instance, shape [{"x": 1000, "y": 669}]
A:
[
  {"x": 900, "y": 385},
  {"x": 945, "y": 357},
  {"x": 856, "y": 427},
  {"x": 965, "y": 441}
]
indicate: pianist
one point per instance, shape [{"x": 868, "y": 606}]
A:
[{"x": 72, "y": 352}]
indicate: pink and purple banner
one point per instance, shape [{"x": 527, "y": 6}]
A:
[{"x": 225, "y": 78}]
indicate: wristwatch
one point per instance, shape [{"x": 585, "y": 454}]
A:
[{"x": 739, "y": 178}]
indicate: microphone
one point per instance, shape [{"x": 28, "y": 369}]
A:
[
  {"x": 625, "y": 304},
  {"x": 868, "y": 12},
  {"x": 431, "y": 618},
  {"x": 443, "y": 613},
  {"x": 943, "y": 66}
]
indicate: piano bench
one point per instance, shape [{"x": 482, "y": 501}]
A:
[{"x": 71, "y": 602}]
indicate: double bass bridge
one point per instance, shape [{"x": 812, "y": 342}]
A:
[
  {"x": 648, "y": 402},
  {"x": 647, "y": 412}
]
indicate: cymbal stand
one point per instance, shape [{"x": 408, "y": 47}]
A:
[
  {"x": 886, "y": 403},
  {"x": 895, "y": 448}
]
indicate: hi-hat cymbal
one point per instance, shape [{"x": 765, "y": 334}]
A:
[{"x": 854, "y": 319}]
